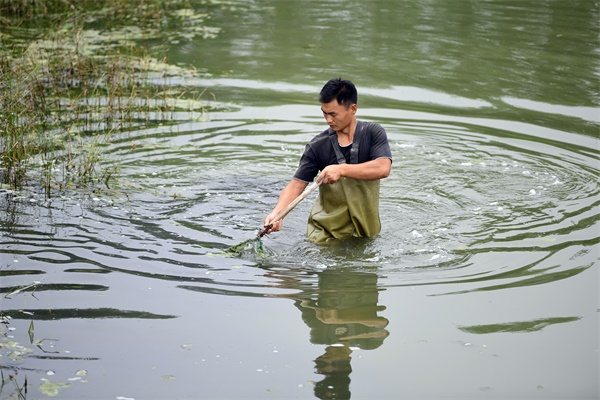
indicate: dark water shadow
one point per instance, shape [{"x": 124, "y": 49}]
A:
[{"x": 88, "y": 313}]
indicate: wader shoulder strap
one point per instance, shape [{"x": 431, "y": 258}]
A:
[
  {"x": 353, "y": 150},
  {"x": 336, "y": 147},
  {"x": 355, "y": 142}
]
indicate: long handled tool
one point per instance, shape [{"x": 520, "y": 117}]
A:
[
  {"x": 254, "y": 246},
  {"x": 289, "y": 208}
]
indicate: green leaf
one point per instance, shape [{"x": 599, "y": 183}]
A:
[{"x": 31, "y": 332}]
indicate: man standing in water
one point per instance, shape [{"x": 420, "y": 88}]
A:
[{"x": 352, "y": 156}]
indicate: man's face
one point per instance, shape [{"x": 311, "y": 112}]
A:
[{"x": 337, "y": 116}]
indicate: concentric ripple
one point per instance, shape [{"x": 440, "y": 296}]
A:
[{"x": 466, "y": 202}]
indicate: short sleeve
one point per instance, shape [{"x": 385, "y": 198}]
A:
[
  {"x": 377, "y": 142},
  {"x": 308, "y": 166}
]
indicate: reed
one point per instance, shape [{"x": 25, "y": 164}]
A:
[
  {"x": 61, "y": 101},
  {"x": 20, "y": 391}
]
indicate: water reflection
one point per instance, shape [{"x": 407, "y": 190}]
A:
[
  {"x": 477, "y": 49},
  {"x": 342, "y": 313},
  {"x": 519, "y": 326},
  {"x": 341, "y": 309}
]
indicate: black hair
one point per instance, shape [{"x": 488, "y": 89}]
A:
[{"x": 341, "y": 90}]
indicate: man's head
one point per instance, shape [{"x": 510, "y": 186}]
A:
[
  {"x": 341, "y": 90},
  {"x": 338, "y": 104}
]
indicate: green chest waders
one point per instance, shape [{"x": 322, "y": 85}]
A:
[{"x": 349, "y": 207}]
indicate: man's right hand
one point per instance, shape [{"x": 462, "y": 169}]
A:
[
  {"x": 287, "y": 195},
  {"x": 276, "y": 226}
]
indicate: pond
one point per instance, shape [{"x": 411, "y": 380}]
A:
[{"x": 482, "y": 284}]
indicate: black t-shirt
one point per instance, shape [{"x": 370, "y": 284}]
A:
[{"x": 319, "y": 152}]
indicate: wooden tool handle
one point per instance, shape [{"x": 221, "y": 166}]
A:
[{"x": 289, "y": 208}]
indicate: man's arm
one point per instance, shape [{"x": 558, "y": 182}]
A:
[
  {"x": 293, "y": 189},
  {"x": 368, "y": 171}
]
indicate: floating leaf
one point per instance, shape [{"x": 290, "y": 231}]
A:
[
  {"x": 51, "y": 389},
  {"x": 16, "y": 351}
]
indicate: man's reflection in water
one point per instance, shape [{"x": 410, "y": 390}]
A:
[{"x": 341, "y": 313}]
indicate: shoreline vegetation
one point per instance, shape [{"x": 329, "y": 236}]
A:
[{"x": 73, "y": 75}]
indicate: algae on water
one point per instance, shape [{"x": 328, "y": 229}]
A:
[{"x": 252, "y": 248}]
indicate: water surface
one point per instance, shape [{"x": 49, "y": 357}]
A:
[{"x": 482, "y": 284}]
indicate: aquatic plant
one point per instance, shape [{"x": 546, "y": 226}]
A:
[
  {"x": 20, "y": 390},
  {"x": 251, "y": 248},
  {"x": 11, "y": 349},
  {"x": 65, "y": 94}
]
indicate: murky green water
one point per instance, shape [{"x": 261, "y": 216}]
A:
[{"x": 482, "y": 284}]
